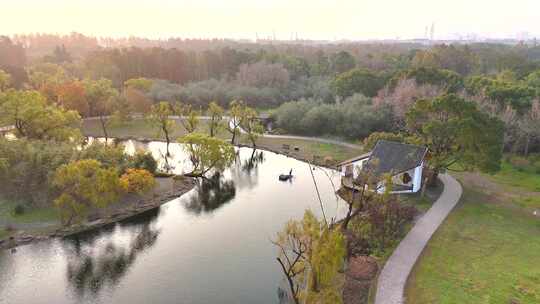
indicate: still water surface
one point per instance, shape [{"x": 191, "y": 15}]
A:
[{"x": 212, "y": 245}]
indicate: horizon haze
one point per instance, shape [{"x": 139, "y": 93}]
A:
[{"x": 282, "y": 20}]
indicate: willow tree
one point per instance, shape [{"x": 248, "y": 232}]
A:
[
  {"x": 236, "y": 111},
  {"x": 207, "y": 153},
  {"x": 311, "y": 252},
  {"x": 249, "y": 122},
  {"x": 216, "y": 116},
  {"x": 189, "y": 118},
  {"x": 159, "y": 116}
]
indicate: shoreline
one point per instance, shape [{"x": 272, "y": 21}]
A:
[
  {"x": 20, "y": 239},
  {"x": 145, "y": 205}
]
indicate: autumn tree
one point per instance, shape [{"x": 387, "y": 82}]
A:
[
  {"x": 72, "y": 96},
  {"x": 160, "y": 117},
  {"x": 137, "y": 100},
  {"x": 83, "y": 185},
  {"x": 457, "y": 133},
  {"x": 236, "y": 111},
  {"x": 216, "y": 116},
  {"x": 249, "y": 122},
  {"x": 34, "y": 118},
  {"x": 207, "y": 153},
  {"x": 101, "y": 96},
  {"x": 401, "y": 96},
  {"x": 137, "y": 181},
  {"x": 135, "y": 91}
]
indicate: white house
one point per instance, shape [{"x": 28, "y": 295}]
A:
[{"x": 403, "y": 162}]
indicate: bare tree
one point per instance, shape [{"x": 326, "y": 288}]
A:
[{"x": 291, "y": 257}]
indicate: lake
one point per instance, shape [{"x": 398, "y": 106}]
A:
[{"x": 212, "y": 245}]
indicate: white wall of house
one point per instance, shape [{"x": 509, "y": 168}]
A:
[
  {"x": 356, "y": 167},
  {"x": 417, "y": 179},
  {"x": 415, "y": 174}
]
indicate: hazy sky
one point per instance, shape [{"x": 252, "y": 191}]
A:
[{"x": 313, "y": 19}]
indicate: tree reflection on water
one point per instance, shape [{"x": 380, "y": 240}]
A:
[
  {"x": 245, "y": 172},
  {"x": 94, "y": 265},
  {"x": 211, "y": 194}
]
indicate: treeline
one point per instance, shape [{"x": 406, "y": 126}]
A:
[{"x": 501, "y": 79}]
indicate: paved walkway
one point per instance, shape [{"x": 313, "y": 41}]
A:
[
  {"x": 391, "y": 282},
  {"x": 316, "y": 139}
]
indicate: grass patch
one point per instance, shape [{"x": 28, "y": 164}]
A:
[
  {"x": 142, "y": 128},
  {"x": 510, "y": 176},
  {"x": 307, "y": 149},
  {"x": 31, "y": 215},
  {"x": 485, "y": 252}
]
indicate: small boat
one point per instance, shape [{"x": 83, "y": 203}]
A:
[{"x": 285, "y": 177}]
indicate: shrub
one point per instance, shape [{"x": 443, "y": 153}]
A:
[
  {"x": 144, "y": 160},
  {"x": 383, "y": 223},
  {"x": 19, "y": 209},
  {"x": 137, "y": 181}
]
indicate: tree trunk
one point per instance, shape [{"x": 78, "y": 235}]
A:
[
  {"x": 168, "y": 140},
  {"x": 290, "y": 281},
  {"x": 527, "y": 143},
  {"x": 233, "y": 136},
  {"x": 104, "y": 128}
]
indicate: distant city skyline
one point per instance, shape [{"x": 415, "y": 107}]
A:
[{"x": 281, "y": 19}]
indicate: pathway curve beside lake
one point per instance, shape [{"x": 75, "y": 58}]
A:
[
  {"x": 393, "y": 277},
  {"x": 316, "y": 139}
]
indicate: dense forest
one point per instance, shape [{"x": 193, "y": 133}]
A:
[{"x": 347, "y": 90}]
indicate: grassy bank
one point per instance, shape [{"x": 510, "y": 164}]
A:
[
  {"x": 487, "y": 249},
  {"x": 140, "y": 128}
]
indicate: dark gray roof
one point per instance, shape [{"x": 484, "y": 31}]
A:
[
  {"x": 394, "y": 157},
  {"x": 352, "y": 160}
]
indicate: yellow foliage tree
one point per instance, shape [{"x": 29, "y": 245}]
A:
[
  {"x": 84, "y": 184},
  {"x": 137, "y": 181}
]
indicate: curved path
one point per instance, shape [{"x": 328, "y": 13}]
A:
[
  {"x": 316, "y": 139},
  {"x": 393, "y": 277}
]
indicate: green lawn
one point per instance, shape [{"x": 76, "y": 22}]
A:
[
  {"x": 487, "y": 251},
  {"x": 510, "y": 176},
  {"x": 141, "y": 128},
  {"x": 35, "y": 215}
]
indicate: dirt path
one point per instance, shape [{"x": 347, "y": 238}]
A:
[{"x": 392, "y": 280}]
